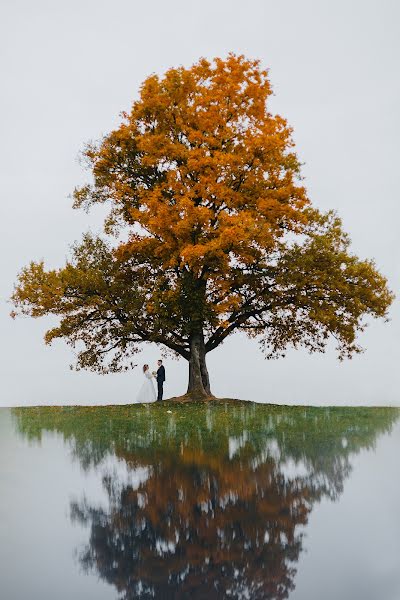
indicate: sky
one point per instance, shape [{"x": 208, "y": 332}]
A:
[{"x": 68, "y": 69}]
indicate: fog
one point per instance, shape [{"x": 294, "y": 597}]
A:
[{"x": 69, "y": 68}]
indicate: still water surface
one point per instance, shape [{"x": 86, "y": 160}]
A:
[{"x": 220, "y": 501}]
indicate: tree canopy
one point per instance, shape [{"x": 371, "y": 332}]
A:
[{"x": 210, "y": 231}]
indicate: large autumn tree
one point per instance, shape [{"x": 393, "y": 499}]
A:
[{"x": 210, "y": 231}]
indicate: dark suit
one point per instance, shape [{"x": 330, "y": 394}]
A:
[{"x": 160, "y": 381}]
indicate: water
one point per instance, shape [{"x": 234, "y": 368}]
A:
[{"x": 220, "y": 501}]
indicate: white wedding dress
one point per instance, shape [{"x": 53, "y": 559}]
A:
[{"x": 147, "y": 392}]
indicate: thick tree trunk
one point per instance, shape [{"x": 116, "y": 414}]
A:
[{"x": 199, "y": 382}]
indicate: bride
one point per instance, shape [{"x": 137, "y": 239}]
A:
[{"x": 147, "y": 393}]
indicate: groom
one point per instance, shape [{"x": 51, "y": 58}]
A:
[{"x": 160, "y": 379}]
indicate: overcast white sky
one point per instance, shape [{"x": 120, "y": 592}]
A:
[{"x": 69, "y": 68}]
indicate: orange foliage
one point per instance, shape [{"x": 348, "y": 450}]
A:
[{"x": 219, "y": 234}]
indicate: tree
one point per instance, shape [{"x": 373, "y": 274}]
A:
[{"x": 209, "y": 232}]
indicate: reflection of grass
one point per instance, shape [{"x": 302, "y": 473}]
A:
[{"x": 307, "y": 433}]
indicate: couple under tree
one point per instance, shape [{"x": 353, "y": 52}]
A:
[{"x": 147, "y": 392}]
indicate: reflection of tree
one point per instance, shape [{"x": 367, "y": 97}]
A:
[
  {"x": 200, "y": 529},
  {"x": 219, "y": 514}
]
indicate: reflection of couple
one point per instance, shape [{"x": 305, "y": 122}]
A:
[{"x": 147, "y": 393}]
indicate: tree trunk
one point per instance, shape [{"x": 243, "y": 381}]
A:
[{"x": 199, "y": 382}]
